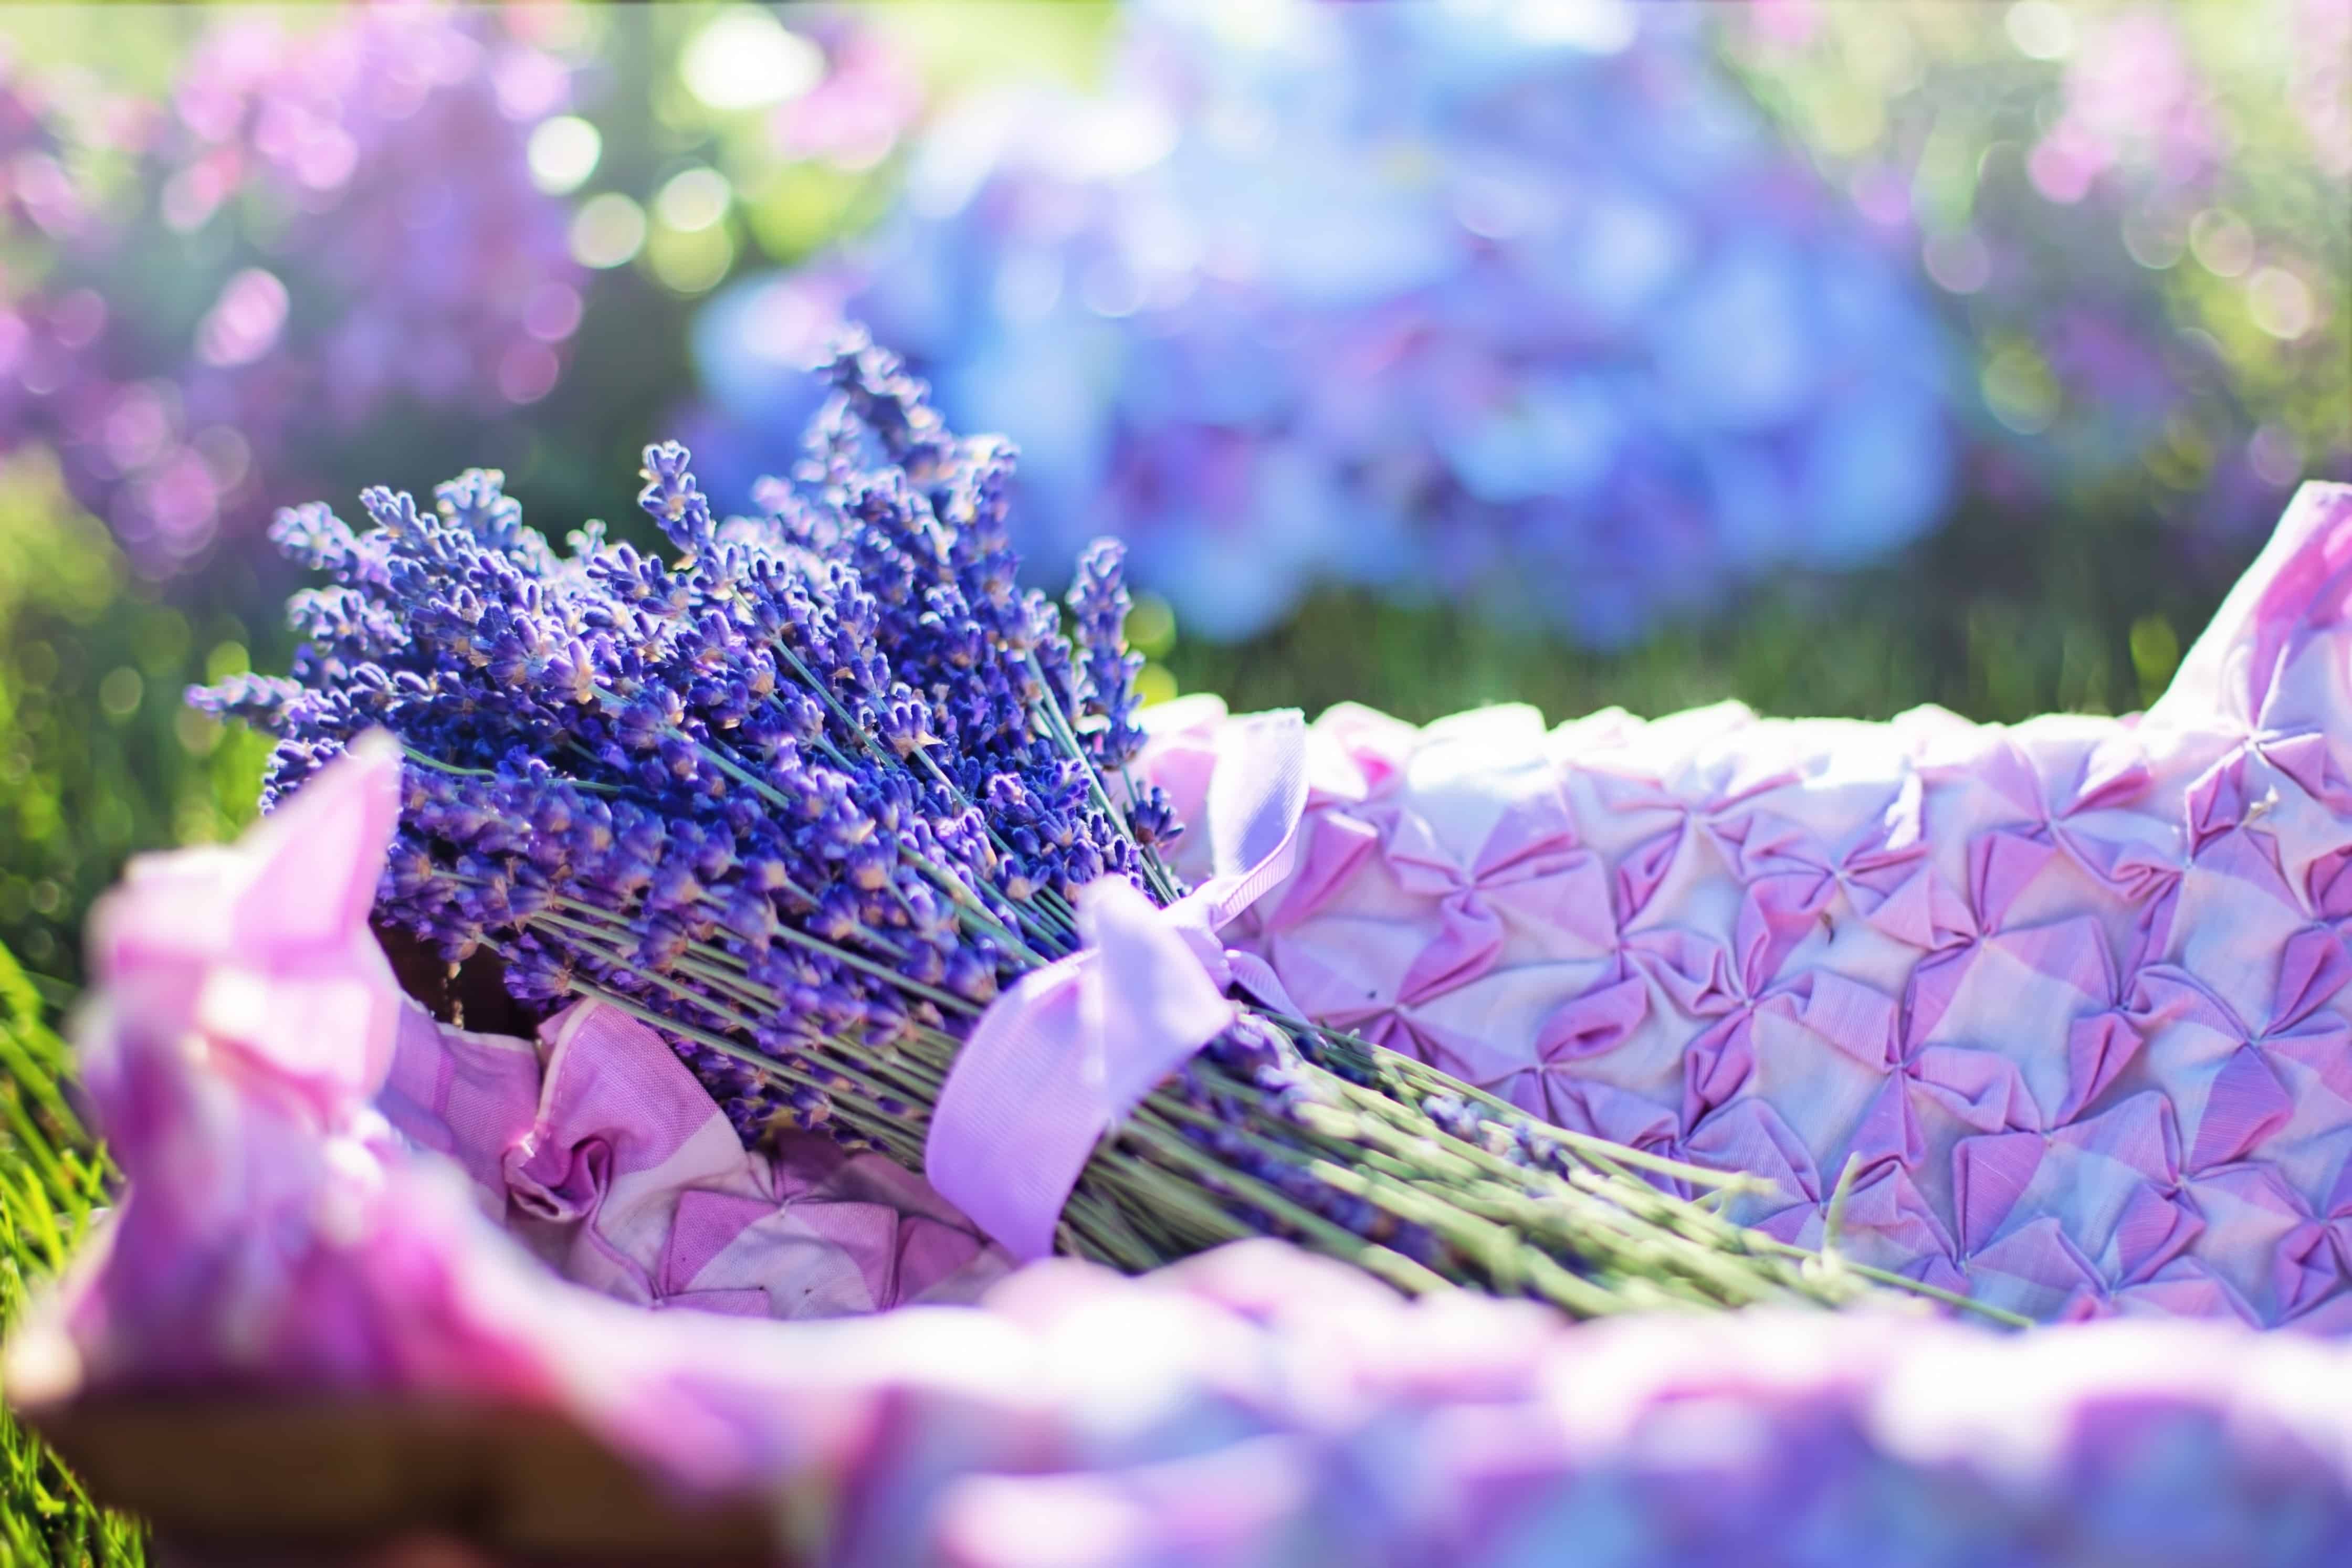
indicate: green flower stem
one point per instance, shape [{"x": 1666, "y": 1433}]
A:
[
  {"x": 1450, "y": 1211},
  {"x": 411, "y": 753},
  {"x": 865, "y": 933},
  {"x": 1334, "y": 1239},
  {"x": 1412, "y": 1081},
  {"x": 851, "y": 1068},
  {"x": 817, "y": 945},
  {"x": 1594, "y": 1213}
]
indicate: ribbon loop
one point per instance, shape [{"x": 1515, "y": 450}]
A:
[
  {"x": 1062, "y": 1056},
  {"x": 1257, "y": 797}
]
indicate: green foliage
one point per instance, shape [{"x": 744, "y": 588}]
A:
[
  {"x": 99, "y": 757},
  {"x": 960, "y": 46},
  {"x": 1999, "y": 618},
  {"x": 1944, "y": 99},
  {"x": 52, "y": 1175}
]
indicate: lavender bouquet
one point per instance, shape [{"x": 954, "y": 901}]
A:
[{"x": 834, "y": 805}]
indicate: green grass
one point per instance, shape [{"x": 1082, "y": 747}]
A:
[
  {"x": 99, "y": 758},
  {"x": 83, "y": 783},
  {"x": 1997, "y": 616},
  {"x": 52, "y": 1175}
]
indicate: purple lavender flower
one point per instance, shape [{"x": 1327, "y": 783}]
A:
[
  {"x": 1401, "y": 299},
  {"x": 1099, "y": 602}
]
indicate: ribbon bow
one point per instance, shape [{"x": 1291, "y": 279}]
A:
[{"x": 1066, "y": 1054}]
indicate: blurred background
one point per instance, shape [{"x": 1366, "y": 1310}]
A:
[{"x": 1833, "y": 355}]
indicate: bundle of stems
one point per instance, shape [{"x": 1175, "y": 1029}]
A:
[{"x": 807, "y": 795}]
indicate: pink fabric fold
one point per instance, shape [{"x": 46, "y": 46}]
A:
[
  {"x": 1065, "y": 1053},
  {"x": 597, "y": 1148}
]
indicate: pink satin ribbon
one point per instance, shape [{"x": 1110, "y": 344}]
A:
[{"x": 1066, "y": 1054}]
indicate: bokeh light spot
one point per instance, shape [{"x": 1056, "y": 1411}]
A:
[
  {"x": 2019, "y": 390},
  {"x": 2155, "y": 239},
  {"x": 745, "y": 59},
  {"x": 607, "y": 231},
  {"x": 551, "y": 314},
  {"x": 227, "y": 455},
  {"x": 245, "y": 321},
  {"x": 2222, "y": 242},
  {"x": 527, "y": 373},
  {"x": 691, "y": 261},
  {"x": 694, "y": 200},
  {"x": 120, "y": 691},
  {"x": 2280, "y": 303},
  {"x": 1151, "y": 626},
  {"x": 563, "y": 152},
  {"x": 1959, "y": 262},
  {"x": 79, "y": 318},
  {"x": 2041, "y": 30},
  {"x": 2275, "y": 455},
  {"x": 2154, "y": 654},
  {"x": 227, "y": 659},
  {"x": 1595, "y": 27}
]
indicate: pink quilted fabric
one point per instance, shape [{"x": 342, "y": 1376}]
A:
[
  {"x": 2067, "y": 995},
  {"x": 598, "y": 1150}
]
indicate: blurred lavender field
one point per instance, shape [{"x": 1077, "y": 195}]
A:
[
  {"x": 1452, "y": 303},
  {"x": 1836, "y": 355}
]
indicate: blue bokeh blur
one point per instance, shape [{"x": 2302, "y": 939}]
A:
[{"x": 1414, "y": 296}]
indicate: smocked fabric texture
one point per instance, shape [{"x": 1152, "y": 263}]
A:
[
  {"x": 2063, "y": 1004},
  {"x": 596, "y": 1148}
]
